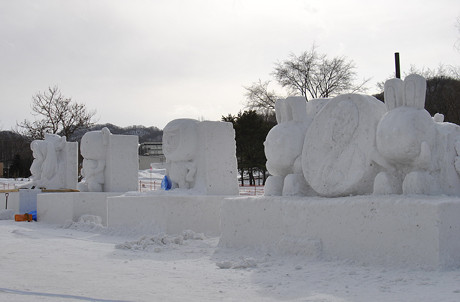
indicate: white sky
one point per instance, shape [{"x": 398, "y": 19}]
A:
[{"x": 148, "y": 62}]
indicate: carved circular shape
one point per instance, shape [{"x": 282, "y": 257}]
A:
[{"x": 337, "y": 144}]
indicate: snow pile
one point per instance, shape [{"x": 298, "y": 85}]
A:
[
  {"x": 86, "y": 223},
  {"x": 6, "y": 214},
  {"x": 161, "y": 240},
  {"x": 242, "y": 263}
]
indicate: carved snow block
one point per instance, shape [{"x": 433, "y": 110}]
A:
[
  {"x": 57, "y": 208},
  {"x": 122, "y": 164},
  {"x": 216, "y": 159},
  {"x": 170, "y": 214},
  {"x": 70, "y": 161},
  {"x": 402, "y": 231}
]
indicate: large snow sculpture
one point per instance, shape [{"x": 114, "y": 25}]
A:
[
  {"x": 283, "y": 149},
  {"x": 335, "y": 152},
  {"x": 180, "y": 148},
  {"x": 200, "y": 156},
  {"x": 55, "y": 163},
  {"x": 417, "y": 151},
  {"x": 110, "y": 162}
]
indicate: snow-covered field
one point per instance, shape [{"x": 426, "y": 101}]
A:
[{"x": 87, "y": 262}]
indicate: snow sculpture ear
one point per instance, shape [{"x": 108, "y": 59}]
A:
[
  {"x": 34, "y": 146},
  {"x": 280, "y": 111},
  {"x": 393, "y": 93},
  {"x": 297, "y": 107},
  {"x": 414, "y": 91},
  {"x": 59, "y": 144},
  {"x": 105, "y": 136}
]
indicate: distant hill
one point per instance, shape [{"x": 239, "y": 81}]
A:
[{"x": 146, "y": 134}]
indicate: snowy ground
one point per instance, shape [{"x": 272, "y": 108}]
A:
[{"x": 87, "y": 262}]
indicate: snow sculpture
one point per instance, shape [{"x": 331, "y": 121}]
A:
[
  {"x": 55, "y": 163},
  {"x": 110, "y": 162},
  {"x": 335, "y": 153},
  {"x": 200, "y": 156},
  {"x": 179, "y": 147},
  {"x": 418, "y": 152},
  {"x": 283, "y": 149}
]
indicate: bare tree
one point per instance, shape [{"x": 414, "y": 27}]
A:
[
  {"x": 56, "y": 114},
  {"x": 313, "y": 75},
  {"x": 259, "y": 98}
]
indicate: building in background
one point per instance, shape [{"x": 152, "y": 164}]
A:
[{"x": 150, "y": 152}]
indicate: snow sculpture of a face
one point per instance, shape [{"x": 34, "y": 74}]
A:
[
  {"x": 283, "y": 148},
  {"x": 179, "y": 147},
  {"x": 284, "y": 142},
  {"x": 39, "y": 149},
  {"x": 45, "y": 167},
  {"x": 405, "y": 140},
  {"x": 407, "y": 125},
  {"x": 94, "y": 151}
]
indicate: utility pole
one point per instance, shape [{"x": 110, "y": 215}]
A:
[{"x": 398, "y": 69}]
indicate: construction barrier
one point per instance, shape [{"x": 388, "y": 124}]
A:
[
  {"x": 7, "y": 186},
  {"x": 145, "y": 186}
]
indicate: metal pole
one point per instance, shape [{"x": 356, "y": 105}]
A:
[
  {"x": 6, "y": 200},
  {"x": 398, "y": 69}
]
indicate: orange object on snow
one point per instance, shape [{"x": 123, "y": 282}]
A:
[{"x": 23, "y": 217}]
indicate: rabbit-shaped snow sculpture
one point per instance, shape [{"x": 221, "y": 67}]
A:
[
  {"x": 405, "y": 140},
  {"x": 283, "y": 149}
]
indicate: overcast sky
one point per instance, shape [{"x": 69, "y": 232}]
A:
[{"x": 148, "y": 62}]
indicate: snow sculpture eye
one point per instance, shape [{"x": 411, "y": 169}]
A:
[{"x": 171, "y": 142}]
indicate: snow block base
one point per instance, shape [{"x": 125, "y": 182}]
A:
[
  {"x": 57, "y": 208},
  {"x": 170, "y": 214},
  {"x": 422, "y": 231},
  {"x": 22, "y": 201}
]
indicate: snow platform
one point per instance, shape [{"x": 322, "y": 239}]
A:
[
  {"x": 392, "y": 230},
  {"x": 57, "y": 208},
  {"x": 170, "y": 214}
]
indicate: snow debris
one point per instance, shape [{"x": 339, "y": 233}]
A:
[
  {"x": 147, "y": 242},
  {"x": 85, "y": 223},
  {"x": 242, "y": 263}
]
